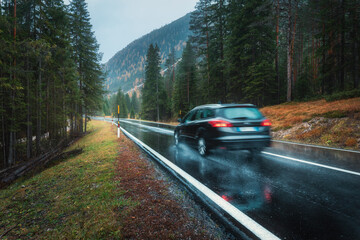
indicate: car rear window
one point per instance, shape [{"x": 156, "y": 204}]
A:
[{"x": 241, "y": 113}]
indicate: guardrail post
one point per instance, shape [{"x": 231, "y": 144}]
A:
[{"x": 118, "y": 129}]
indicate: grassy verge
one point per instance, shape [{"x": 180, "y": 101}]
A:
[
  {"x": 74, "y": 198},
  {"x": 109, "y": 191}
]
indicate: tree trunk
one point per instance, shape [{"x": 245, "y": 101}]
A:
[
  {"x": 28, "y": 115},
  {"x": 76, "y": 119},
  {"x": 188, "y": 88},
  {"x": 11, "y": 150},
  {"x": 207, "y": 54},
  {"x": 323, "y": 62},
  {"x": 355, "y": 50},
  {"x": 85, "y": 120},
  {"x": 4, "y": 145},
  {"x": 12, "y": 141},
  {"x": 222, "y": 77},
  {"x": 294, "y": 72},
  {"x": 47, "y": 124},
  {"x": 71, "y": 124},
  {"x": 342, "y": 47},
  {"x": 289, "y": 60},
  {"x": 3, "y": 127},
  {"x": 277, "y": 49},
  {"x": 38, "y": 120},
  {"x": 81, "y": 124},
  {"x": 157, "y": 99},
  {"x": 313, "y": 56}
]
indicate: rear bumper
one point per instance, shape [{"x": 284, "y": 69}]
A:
[{"x": 256, "y": 142}]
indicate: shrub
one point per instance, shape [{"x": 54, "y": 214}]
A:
[
  {"x": 312, "y": 134},
  {"x": 332, "y": 114},
  {"x": 343, "y": 95},
  {"x": 350, "y": 142}
]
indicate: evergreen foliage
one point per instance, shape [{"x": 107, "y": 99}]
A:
[
  {"x": 153, "y": 95},
  {"x": 185, "y": 88},
  {"x": 87, "y": 58},
  {"x": 266, "y": 52},
  {"x": 42, "y": 86},
  {"x": 121, "y": 102},
  {"x": 135, "y": 105}
]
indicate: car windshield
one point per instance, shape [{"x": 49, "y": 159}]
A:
[{"x": 241, "y": 113}]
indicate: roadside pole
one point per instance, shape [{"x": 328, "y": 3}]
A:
[{"x": 118, "y": 122}]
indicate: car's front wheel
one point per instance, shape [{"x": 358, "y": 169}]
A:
[
  {"x": 202, "y": 147},
  {"x": 176, "y": 138}
]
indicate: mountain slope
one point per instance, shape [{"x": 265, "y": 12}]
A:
[{"x": 126, "y": 68}]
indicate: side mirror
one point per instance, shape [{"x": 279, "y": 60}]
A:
[{"x": 179, "y": 120}]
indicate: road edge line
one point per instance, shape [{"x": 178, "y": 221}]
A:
[
  {"x": 312, "y": 163},
  {"x": 255, "y": 228}
]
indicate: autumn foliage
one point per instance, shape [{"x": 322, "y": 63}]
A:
[{"x": 335, "y": 123}]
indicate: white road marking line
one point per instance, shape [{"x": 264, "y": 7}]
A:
[
  {"x": 290, "y": 158},
  {"x": 241, "y": 217},
  {"x": 154, "y": 129},
  {"x": 316, "y": 146},
  {"x": 314, "y": 164}
]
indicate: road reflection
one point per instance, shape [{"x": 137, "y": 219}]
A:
[
  {"x": 291, "y": 199},
  {"x": 236, "y": 181}
]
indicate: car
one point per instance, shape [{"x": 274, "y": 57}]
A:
[{"x": 224, "y": 126}]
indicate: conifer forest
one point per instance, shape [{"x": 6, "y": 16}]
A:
[
  {"x": 262, "y": 52},
  {"x": 50, "y": 75}
]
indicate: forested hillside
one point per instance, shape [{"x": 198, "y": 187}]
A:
[
  {"x": 264, "y": 52},
  {"x": 50, "y": 76},
  {"x": 267, "y": 52},
  {"x": 127, "y": 68}
]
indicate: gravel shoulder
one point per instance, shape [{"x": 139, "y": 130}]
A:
[{"x": 165, "y": 210}]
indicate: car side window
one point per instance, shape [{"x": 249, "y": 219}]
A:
[
  {"x": 189, "y": 117},
  {"x": 208, "y": 113},
  {"x": 204, "y": 113},
  {"x": 199, "y": 114}
]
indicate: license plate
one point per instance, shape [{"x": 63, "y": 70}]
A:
[{"x": 247, "y": 129}]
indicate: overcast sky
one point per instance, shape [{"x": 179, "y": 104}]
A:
[{"x": 119, "y": 22}]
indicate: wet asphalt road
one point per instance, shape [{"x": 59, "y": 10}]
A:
[{"x": 293, "y": 200}]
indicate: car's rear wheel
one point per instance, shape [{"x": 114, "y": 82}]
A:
[{"x": 202, "y": 147}]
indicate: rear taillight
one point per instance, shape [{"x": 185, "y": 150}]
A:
[
  {"x": 266, "y": 123},
  {"x": 220, "y": 123}
]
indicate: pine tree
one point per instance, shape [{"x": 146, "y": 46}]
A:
[
  {"x": 170, "y": 73},
  {"x": 208, "y": 24},
  {"x": 135, "y": 103},
  {"x": 127, "y": 101},
  {"x": 249, "y": 52},
  {"x": 87, "y": 59},
  {"x": 185, "y": 89},
  {"x": 200, "y": 39},
  {"x": 153, "y": 93},
  {"x": 121, "y": 102}
]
